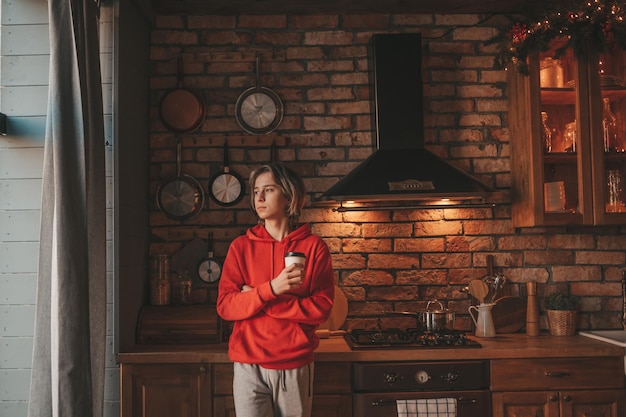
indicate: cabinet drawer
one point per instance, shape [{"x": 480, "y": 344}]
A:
[{"x": 556, "y": 373}]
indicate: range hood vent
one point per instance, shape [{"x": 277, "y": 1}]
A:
[{"x": 401, "y": 169}]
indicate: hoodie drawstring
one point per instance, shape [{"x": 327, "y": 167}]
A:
[{"x": 283, "y": 380}]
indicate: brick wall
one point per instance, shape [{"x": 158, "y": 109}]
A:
[{"x": 385, "y": 260}]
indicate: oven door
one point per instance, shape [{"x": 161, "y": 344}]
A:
[{"x": 469, "y": 403}]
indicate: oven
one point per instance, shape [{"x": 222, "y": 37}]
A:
[{"x": 378, "y": 385}]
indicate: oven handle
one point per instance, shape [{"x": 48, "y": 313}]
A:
[{"x": 391, "y": 402}]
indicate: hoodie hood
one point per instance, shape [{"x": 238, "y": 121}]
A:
[{"x": 401, "y": 169}]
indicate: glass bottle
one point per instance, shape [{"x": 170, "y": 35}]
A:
[
  {"x": 614, "y": 202},
  {"x": 546, "y": 133},
  {"x": 609, "y": 127},
  {"x": 569, "y": 138}
]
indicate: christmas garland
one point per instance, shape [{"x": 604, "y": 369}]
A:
[{"x": 596, "y": 23}]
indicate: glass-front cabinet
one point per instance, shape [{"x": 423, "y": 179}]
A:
[{"x": 567, "y": 121}]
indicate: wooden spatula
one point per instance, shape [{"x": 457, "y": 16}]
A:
[{"x": 478, "y": 289}]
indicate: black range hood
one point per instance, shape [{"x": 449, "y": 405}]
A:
[{"x": 401, "y": 169}]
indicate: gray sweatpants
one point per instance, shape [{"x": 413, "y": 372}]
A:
[{"x": 260, "y": 392}]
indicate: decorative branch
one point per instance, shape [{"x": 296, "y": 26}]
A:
[{"x": 597, "y": 23}]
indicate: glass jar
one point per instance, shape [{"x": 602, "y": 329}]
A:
[
  {"x": 181, "y": 288},
  {"x": 551, "y": 73}
]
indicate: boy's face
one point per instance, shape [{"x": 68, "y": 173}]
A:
[{"x": 269, "y": 200}]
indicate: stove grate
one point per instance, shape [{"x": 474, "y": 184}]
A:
[{"x": 405, "y": 338}]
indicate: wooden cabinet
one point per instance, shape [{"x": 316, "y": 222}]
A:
[
  {"x": 165, "y": 390},
  {"x": 573, "y": 387},
  {"x": 599, "y": 403},
  {"x": 575, "y": 172},
  {"x": 331, "y": 390}
]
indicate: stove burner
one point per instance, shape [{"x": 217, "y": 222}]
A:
[{"x": 398, "y": 338}]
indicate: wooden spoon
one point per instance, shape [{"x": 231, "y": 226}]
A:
[{"x": 479, "y": 290}]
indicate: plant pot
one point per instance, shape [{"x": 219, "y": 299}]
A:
[{"x": 562, "y": 322}]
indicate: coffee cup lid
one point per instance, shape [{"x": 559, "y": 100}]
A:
[{"x": 298, "y": 254}]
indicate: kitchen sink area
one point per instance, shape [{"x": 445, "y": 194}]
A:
[{"x": 615, "y": 337}]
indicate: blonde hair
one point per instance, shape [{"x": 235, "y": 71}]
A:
[{"x": 289, "y": 183}]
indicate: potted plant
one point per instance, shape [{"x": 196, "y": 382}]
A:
[{"x": 561, "y": 309}]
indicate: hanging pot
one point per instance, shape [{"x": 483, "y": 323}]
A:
[
  {"x": 226, "y": 187},
  {"x": 259, "y": 110},
  {"x": 180, "y": 197},
  {"x": 209, "y": 269},
  {"x": 182, "y": 110}
]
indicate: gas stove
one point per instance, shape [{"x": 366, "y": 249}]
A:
[{"x": 407, "y": 338}]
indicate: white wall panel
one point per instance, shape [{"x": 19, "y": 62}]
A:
[
  {"x": 14, "y": 385},
  {"x": 14, "y": 408},
  {"x": 17, "y": 320},
  {"x": 12, "y": 163},
  {"x": 19, "y": 257},
  {"x": 24, "y": 101},
  {"x": 20, "y": 225},
  {"x": 24, "y": 70},
  {"x": 25, "y": 40},
  {"x": 24, "y": 12},
  {"x": 19, "y": 289},
  {"x": 20, "y": 194},
  {"x": 12, "y": 352}
]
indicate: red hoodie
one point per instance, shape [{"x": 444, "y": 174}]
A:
[{"x": 275, "y": 332}]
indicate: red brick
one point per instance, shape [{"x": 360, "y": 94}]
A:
[
  {"x": 527, "y": 242},
  {"x": 327, "y": 123},
  {"x": 571, "y": 241},
  {"x": 366, "y": 245},
  {"x": 594, "y": 288},
  {"x": 549, "y": 257},
  {"x": 336, "y": 37},
  {"x": 366, "y": 21},
  {"x": 576, "y": 273},
  {"x": 313, "y": 21},
  {"x": 600, "y": 258},
  {"x": 419, "y": 245},
  {"x": 211, "y": 22},
  {"x": 446, "y": 260},
  {"x": 440, "y": 228},
  {"x": 412, "y": 19},
  {"x": 421, "y": 276},
  {"x": 268, "y": 21},
  {"x": 393, "y": 261},
  {"x": 368, "y": 277},
  {"x": 396, "y": 292},
  {"x": 469, "y": 244},
  {"x": 387, "y": 230}
]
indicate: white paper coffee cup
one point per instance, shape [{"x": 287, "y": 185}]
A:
[{"x": 295, "y": 258}]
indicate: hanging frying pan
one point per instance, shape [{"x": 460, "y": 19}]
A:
[
  {"x": 226, "y": 187},
  {"x": 180, "y": 197},
  {"x": 209, "y": 269},
  {"x": 182, "y": 110},
  {"x": 259, "y": 110}
]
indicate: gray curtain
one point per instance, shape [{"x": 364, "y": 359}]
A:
[{"x": 69, "y": 346}]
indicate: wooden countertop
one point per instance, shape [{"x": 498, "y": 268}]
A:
[{"x": 335, "y": 349}]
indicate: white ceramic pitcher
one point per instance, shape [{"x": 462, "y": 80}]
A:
[{"x": 484, "y": 321}]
